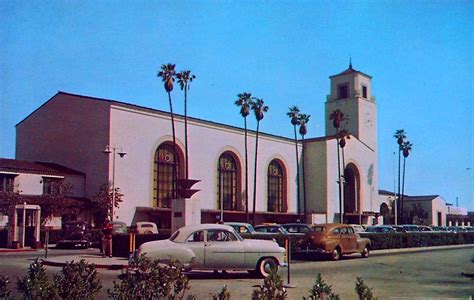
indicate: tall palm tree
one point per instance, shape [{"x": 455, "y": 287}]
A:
[
  {"x": 337, "y": 117},
  {"x": 294, "y": 115},
  {"x": 258, "y": 108},
  {"x": 168, "y": 74},
  {"x": 400, "y": 136},
  {"x": 184, "y": 80},
  {"x": 244, "y": 101},
  {"x": 343, "y": 136},
  {"x": 304, "y": 119},
  {"x": 406, "y": 149}
]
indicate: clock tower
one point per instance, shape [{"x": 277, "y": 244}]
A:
[{"x": 351, "y": 94}]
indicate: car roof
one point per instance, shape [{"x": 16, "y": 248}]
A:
[
  {"x": 186, "y": 231},
  {"x": 237, "y": 223}
]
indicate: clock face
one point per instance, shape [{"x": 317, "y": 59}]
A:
[{"x": 368, "y": 121}]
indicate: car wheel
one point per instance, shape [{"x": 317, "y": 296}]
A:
[
  {"x": 148, "y": 232},
  {"x": 336, "y": 254},
  {"x": 365, "y": 252},
  {"x": 265, "y": 266}
]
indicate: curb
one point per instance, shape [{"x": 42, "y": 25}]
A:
[
  {"x": 17, "y": 250},
  {"x": 97, "y": 266}
]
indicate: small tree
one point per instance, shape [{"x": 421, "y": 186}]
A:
[
  {"x": 321, "y": 290},
  {"x": 363, "y": 291},
  {"x": 35, "y": 285},
  {"x": 103, "y": 201},
  {"x": 78, "y": 281},
  {"x": 5, "y": 292},
  {"x": 272, "y": 288}
]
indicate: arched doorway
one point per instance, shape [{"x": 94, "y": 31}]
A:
[
  {"x": 352, "y": 203},
  {"x": 385, "y": 213}
]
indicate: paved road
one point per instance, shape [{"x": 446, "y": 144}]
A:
[{"x": 433, "y": 274}]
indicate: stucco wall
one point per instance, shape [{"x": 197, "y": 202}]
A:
[
  {"x": 140, "y": 133},
  {"x": 71, "y": 131}
]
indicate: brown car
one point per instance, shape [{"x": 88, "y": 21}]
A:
[{"x": 334, "y": 240}]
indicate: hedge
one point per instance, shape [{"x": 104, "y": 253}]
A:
[{"x": 398, "y": 240}]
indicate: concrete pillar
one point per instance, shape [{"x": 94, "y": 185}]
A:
[{"x": 184, "y": 212}]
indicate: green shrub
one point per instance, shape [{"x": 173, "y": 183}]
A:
[
  {"x": 224, "y": 294},
  {"x": 272, "y": 288},
  {"x": 78, "y": 281},
  {"x": 149, "y": 279},
  {"x": 321, "y": 290},
  {"x": 417, "y": 239},
  {"x": 35, "y": 285},
  {"x": 363, "y": 291},
  {"x": 5, "y": 293}
]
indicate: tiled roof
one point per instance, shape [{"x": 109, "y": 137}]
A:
[
  {"x": 410, "y": 198},
  {"x": 349, "y": 71},
  {"x": 23, "y": 166}
]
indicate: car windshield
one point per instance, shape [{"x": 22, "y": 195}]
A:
[
  {"x": 174, "y": 235},
  {"x": 319, "y": 228}
]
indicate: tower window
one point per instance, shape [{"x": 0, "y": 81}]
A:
[
  {"x": 364, "y": 91},
  {"x": 342, "y": 91}
]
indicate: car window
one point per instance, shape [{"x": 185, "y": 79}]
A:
[
  {"x": 337, "y": 231},
  {"x": 175, "y": 234},
  {"x": 291, "y": 229},
  {"x": 218, "y": 235},
  {"x": 197, "y": 236},
  {"x": 350, "y": 230},
  {"x": 318, "y": 228},
  {"x": 344, "y": 230},
  {"x": 243, "y": 229}
]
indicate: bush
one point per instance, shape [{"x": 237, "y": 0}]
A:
[
  {"x": 224, "y": 294},
  {"x": 78, "y": 281},
  {"x": 148, "y": 279},
  {"x": 35, "y": 285},
  {"x": 417, "y": 239},
  {"x": 5, "y": 293},
  {"x": 363, "y": 291},
  {"x": 272, "y": 288},
  {"x": 321, "y": 290}
]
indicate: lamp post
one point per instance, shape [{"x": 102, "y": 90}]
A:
[{"x": 113, "y": 150}]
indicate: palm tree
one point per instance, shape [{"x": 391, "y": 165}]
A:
[
  {"x": 168, "y": 74},
  {"x": 337, "y": 117},
  {"x": 258, "y": 108},
  {"x": 244, "y": 101},
  {"x": 304, "y": 119},
  {"x": 400, "y": 136},
  {"x": 343, "y": 135},
  {"x": 184, "y": 79},
  {"x": 294, "y": 115},
  {"x": 406, "y": 149}
]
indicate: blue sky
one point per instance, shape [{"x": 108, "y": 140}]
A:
[{"x": 418, "y": 52}]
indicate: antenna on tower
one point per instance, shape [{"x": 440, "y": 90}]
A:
[{"x": 350, "y": 61}]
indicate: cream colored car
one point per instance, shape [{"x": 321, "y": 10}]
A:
[
  {"x": 146, "y": 228},
  {"x": 216, "y": 247}
]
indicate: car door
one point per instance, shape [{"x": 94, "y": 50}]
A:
[
  {"x": 348, "y": 240},
  {"x": 223, "y": 250},
  {"x": 195, "y": 242}
]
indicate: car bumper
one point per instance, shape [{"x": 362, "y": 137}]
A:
[{"x": 310, "y": 250}]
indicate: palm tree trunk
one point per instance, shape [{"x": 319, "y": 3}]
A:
[
  {"x": 246, "y": 174},
  {"x": 343, "y": 178},
  {"x": 399, "y": 203},
  {"x": 304, "y": 182},
  {"x": 186, "y": 128},
  {"x": 174, "y": 145},
  {"x": 403, "y": 180},
  {"x": 297, "y": 175},
  {"x": 341, "y": 217},
  {"x": 255, "y": 175}
]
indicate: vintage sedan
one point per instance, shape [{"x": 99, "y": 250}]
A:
[
  {"x": 216, "y": 247},
  {"x": 334, "y": 240}
]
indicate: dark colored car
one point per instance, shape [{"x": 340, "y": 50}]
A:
[
  {"x": 119, "y": 227},
  {"x": 75, "y": 234},
  {"x": 334, "y": 240},
  {"x": 296, "y": 228},
  {"x": 271, "y": 228},
  {"x": 381, "y": 229}
]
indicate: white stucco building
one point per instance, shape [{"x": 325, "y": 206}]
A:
[{"x": 73, "y": 130}]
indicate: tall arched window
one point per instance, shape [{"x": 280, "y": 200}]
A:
[
  {"x": 228, "y": 181},
  {"x": 163, "y": 188},
  {"x": 276, "y": 187}
]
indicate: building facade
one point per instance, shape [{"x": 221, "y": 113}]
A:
[{"x": 73, "y": 130}]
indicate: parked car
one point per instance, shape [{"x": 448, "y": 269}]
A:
[
  {"x": 119, "y": 227},
  {"x": 398, "y": 228},
  {"x": 380, "y": 229},
  {"x": 216, "y": 247},
  {"x": 146, "y": 228},
  {"x": 296, "y": 228},
  {"x": 456, "y": 229},
  {"x": 334, "y": 240},
  {"x": 271, "y": 228},
  {"x": 244, "y": 229},
  {"x": 439, "y": 228},
  {"x": 357, "y": 228},
  {"x": 75, "y": 234},
  {"x": 411, "y": 228},
  {"x": 424, "y": 228}
]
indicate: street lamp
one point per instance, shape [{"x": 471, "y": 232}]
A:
[{"x": 114, "y": 150}]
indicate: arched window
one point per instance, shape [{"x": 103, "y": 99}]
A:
[
  {"x": 163, "y": 188},
  {"x": 228, "y": 181},
  {"x": 276, "y": 187}
]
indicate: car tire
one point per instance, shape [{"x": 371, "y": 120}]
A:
[
  {"x": 265, "y": 265},
  {"x": 148, "y": 232},
  {"x": 336, "y": 254},
  {"x": 365, "y": 253}
]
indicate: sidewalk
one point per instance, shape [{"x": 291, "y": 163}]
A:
[{"x": 118, "y": 263}]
